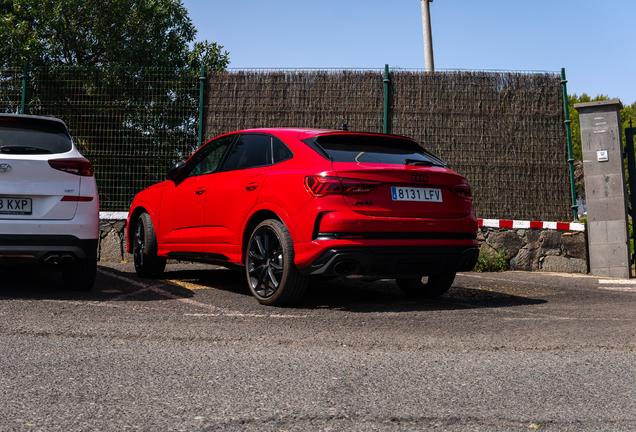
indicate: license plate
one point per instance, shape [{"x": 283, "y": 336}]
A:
[
  {"x": 18, "y": 206},
  {"x": 416, "y": 194}
]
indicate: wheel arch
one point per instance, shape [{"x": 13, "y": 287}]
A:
[
  {"x": 132, "y": 223},
  {"x": 259, "y": 215}
]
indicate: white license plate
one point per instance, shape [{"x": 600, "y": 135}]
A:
[
  {"x": 416, "y": 194},
  {"x": 18, "y": 206}
]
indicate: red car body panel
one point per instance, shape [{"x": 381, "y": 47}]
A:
[{"x": 210, "y": 217}]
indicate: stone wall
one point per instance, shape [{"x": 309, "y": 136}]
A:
[
  {"x": 538, "y": 249},
  {"x": 528, "y": 249},
  {"x": 112, "y": 241}
]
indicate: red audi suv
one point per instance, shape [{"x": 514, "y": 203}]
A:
[{"x": 292, "y": 204}]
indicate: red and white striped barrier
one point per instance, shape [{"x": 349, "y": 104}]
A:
[{"x": 499, "y": 223}]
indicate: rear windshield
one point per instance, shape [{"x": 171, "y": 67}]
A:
[
  {"x": 373, "y": 149},
  {"x": 33, "y": 136}
]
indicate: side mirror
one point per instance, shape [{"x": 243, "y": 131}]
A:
[{"x": 175, "y": 172}]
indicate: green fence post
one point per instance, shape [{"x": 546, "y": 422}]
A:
[
  {"x": 568, "y": 131},
  {"x": 385, "y": 128},
  {"x": 631, "y": 169},
  {"x": 24, "y": 80},
  {"x": 201, "y": 88}
]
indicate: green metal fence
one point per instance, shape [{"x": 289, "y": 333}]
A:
[
  {"x": 503, "y": 130},
  {"x": 131, "y": 124}
]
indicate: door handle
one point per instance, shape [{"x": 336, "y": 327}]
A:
[
  {"x": 199, "y": 191},
  {"x": 251, "y": 186}
]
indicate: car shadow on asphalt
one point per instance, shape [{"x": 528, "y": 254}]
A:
[
  {"x": 120, "y": 283},
  {"x": 385, "y": 296},
  {"x": 353, "y": 295},
  {"x": 111, "y": 284}
]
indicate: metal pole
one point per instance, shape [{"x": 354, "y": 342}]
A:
[
  {"x": 631, "y": 169},
  {"x": 201, "y": 88},
  {"x": 386, "y": 81},
  {"x": 568, "y": 131},
  {"x": 24, "y": 83},
  {"x": 428, "y": 36}
]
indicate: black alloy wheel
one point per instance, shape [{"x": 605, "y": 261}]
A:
[
  {"x": 147, "y": 263},
  {"x": 271, "y": 274}
]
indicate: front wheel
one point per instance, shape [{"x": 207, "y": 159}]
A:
[
  {"x": 147, "y": 263},
  {"x": 271, "y": 273},
  {"x": 435, "y": 286}
]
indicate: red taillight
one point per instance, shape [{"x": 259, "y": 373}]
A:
[
  {"x": 77, "y": 166},
  {"x": 463, "y": 191},
  {"x": 77, "y": 198},
  {"x": 319, "y": 186}
]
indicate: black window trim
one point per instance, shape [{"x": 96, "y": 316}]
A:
[{"x": 225, "y": 158}]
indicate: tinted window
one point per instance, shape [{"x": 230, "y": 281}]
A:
[
  {"x": 249, "y": 151},
  {"x": 374, "y": 149},
  {"x": 281, "y": 152},
  {"x": 207, "y": 159},
  {"x": 33, "y": 136}
]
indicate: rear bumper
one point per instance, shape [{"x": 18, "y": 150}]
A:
[
  {"x": 393, "y": 261},
  {"x": 55, "y": 249}
]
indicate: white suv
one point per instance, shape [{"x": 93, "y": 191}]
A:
[{"x": 49, "y": 206}]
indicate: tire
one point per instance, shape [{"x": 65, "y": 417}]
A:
[
  {"x": 435, "y": 286},
  {"x": 269, "y": 265},
  {"x": 147, "y": 263},
  {"x": 80, "y": 275}
]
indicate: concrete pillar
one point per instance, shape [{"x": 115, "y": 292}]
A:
[
  {"x": 429, "y": 63},
  {"x": 608, "y": 233}
]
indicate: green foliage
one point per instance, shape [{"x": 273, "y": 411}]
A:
[
  {"x": 209, "y": 55},
  {"x": 128, "y": 67},
  {"x": 111, "y": 33},
  {"x": 492, "y": 262}
]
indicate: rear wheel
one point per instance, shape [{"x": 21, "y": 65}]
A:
[
  {"x": 147, "y": 263},
  {"x": 80, "y": 274},
  {"x": 271, "y": 273},
  {"x": 435, "y": 286}
]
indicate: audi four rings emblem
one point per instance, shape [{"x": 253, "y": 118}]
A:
[
  {"x": 419, "y": 178},
  {"x": 5, "y": 168}
]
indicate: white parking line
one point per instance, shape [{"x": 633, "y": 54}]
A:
[
  {"x": 625, "y": 285},
  {"x": 219, "y": 310},
  {"x": 618, "y": 281}
]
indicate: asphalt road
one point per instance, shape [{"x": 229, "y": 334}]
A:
[{"x": 195, "y": 352}]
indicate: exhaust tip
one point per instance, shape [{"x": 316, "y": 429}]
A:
[
  {"x": 56, "y": 258},
  {"x": 52, "y": 259},
  {"x": 346, "y": 268}
]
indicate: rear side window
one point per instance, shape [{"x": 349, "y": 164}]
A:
[
  {"x": 33, "y": 136},
  {"x": 281, "y": 152},
  {"x": 373, "y": 149}
]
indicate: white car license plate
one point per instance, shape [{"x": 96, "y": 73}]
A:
[
  {"x": 18, "y": 206},
  {"x": 416, "y": 194}
]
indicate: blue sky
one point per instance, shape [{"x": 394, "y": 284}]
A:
[{"x": 590, "y": 39}]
